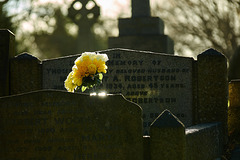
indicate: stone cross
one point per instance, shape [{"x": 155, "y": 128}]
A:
[
  {"x": 140, "y": 8},
  {"x": 84, "y": 18}
]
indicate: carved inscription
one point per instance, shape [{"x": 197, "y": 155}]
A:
[
  {"x": 154, "y": 81},
  {"x": 60, "y": 128}
]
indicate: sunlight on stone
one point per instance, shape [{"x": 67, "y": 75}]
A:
[
  {"x": 93, "y": 94},
  {"x": 101, "y": 94}
]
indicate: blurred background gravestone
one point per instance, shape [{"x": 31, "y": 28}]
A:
[
  {"x": 142, "y": 32},
  {"x": 84, "y": 13},
  {"x": 234, "y": 66}
]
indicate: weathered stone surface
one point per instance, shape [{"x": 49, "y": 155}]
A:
[
  {"x": 59, "y": 125},
  {"x": 7, "y": 51},
  {"x": 155, "y": 81},
  {"x": 25, "y": 74},
  {"x": 167, "y": 137},
  {"x": 234, "y": 109},
  {"x": 55, "y": 71},
  {"x": 204, "y": 141},
  {"x": 212, "y": 88}
]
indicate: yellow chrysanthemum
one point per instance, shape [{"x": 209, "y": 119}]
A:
[
  {"x": 88, "y": 64},
  {"x": 77, "y": 77},
  {"x": 100, "y": 64},
  {"x": 69, "y": 85},
  {"x": 92, "y": 69}
]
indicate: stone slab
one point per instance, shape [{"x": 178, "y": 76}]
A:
[
  {"x": 155, "y": 81},
  {"x": 204, "y": 141},
  {"x": 56, "y": 125}
]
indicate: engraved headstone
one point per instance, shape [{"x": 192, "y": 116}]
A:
[
  {"x": 155, "y": 81},
  {"x": 56, "y": 125}
]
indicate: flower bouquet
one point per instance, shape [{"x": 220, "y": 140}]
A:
[{"x": 87, "y": 71}]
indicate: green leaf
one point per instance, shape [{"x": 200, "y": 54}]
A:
[
  {"x": 83, "y": 88},
  {"x": 100, "y": 76}
]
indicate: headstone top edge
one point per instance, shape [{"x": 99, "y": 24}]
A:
[
  {"x": 142, "y": 51},
  {"x": 63, "y": 57},
  {"x": 211, "y": 52},
  {"x": 65, "y": 92},
  {"x": 26, "y": 55},
  {"x": 167, "y": 120},
  {"x": 6, "y": 31},
  {"x": 235, "y": 81},
  {"x": 199, "y": 127}
]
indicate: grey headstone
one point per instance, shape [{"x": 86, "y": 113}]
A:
[
  {"x": 25, "y": 74},
  {"x": 212, "y": 88},
  {"x": 155, "y": 81},
  {"x": 56, "y": 125}
]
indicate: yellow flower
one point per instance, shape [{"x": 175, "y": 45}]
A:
[
  {"x": 92, "y": 69},
  {"x": 69, "y": 85},
  {"x": 86, "y": 65},
  {"x": 77, "y": 77},
  {"x": 100, "y": 64}
]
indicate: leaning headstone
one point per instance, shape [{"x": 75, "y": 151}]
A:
[
  {"x": 167, "y": 138},
  {"x": 155, "y": 81},
  {"x": 234, "y": 109},
  {"x": 7, "y": 51},
  {"x": 25, "y": 74},
  {"x": 212, "y": 88},
  {"x": 56, "y": 125}
]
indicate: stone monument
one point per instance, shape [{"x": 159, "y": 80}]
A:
[
  {"x": 84, "y": 16},
  {"x": 142, "y": 32}
]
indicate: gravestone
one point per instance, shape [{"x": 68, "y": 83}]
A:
[
  {"x": 26, "y": 66},
  {"x": 56, "y": 125},
  {"x": 167, "y": 138},
  {"x": 7, "y": 51},
  {"x": 155, "y": 81},
  {"x": 142, "y": 32},
  {"x": 212, "y": 95}
]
